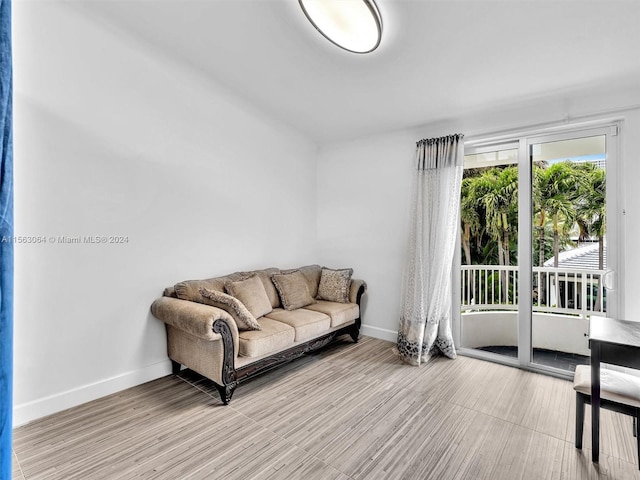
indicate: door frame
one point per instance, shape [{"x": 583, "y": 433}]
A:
[{"x": 612, "y": 129}]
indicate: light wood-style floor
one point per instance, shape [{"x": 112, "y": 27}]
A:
[{"x": 352, "y": 411}]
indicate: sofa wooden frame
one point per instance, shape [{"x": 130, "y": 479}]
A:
[{"x": 232, "y": 376}]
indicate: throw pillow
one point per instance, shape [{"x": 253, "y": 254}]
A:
[
  {"x": 293, "y": 290},
  {"x": 312, "y": 274},
  {"x": 334, "y": 285},
  {"x": 242, "y": 316},
  {"x": 252, "y": 294},
  {"x": 265, "y": 278}
]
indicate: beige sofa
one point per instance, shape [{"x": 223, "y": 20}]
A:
[{"x": 232, "y": 328}]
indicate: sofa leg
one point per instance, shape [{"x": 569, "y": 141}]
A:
[
  {"x": 175, "y": 367},
  {"x": 226, "y": 392},
  {"x": 355, "y": 331}
]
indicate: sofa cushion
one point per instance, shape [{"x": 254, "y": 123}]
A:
[
  {"x": 334, "y": 285},
  {"x": 252, "y": 294},
  {"x": 293, "y": 290},
  {"x": 190, "y": 289},
  {"x": 307, "y": 323},
  {"x": 273, "y": 337},
  {"x": 243, "y": 317},
  {"x": 269, "y": 287},
  {"x": 340, "y": 313}
]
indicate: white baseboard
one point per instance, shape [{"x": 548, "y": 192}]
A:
[
  {"x": 377, "y": 332},
  {"x": 29, "y": 411}
]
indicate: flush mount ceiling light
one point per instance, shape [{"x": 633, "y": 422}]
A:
[{"x": 354, "y": 25}]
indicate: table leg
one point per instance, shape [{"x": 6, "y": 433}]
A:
[{"x": 595, "y": 401}]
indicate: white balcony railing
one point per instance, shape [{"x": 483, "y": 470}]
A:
[{"x": 555, "y": 290}]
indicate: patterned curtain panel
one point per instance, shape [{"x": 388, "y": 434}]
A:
[
  {"x": 6, "y": 240},
  {"x": 425, "y": 316}
]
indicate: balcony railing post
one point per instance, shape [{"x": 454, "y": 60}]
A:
[
  {"x": 582, "y": 304},
  {"x": 569, "y": 291}
]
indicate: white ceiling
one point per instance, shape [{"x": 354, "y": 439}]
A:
[{"x": 438, "y": 59}]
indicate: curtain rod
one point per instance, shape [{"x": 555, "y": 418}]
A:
[{"x": 431, "y": 141}]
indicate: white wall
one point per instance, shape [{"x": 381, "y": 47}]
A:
[
  {"x": 111, "y": 138},
  {"x": 363, "y": 190},
  {"x": 374, "y": 176}
]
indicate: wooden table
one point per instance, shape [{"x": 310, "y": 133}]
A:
[{"x": 611, "y": 341}]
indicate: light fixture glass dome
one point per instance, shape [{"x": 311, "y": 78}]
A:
[{"x": 354, "y": 25}]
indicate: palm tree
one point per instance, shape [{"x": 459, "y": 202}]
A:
[
  {"x": 591, "y": 206},
  {"x": 555, "y": 189},
  {"x": 592, "y": 212},
  {"x": 499, "y": 199},
  {"x": 469, "y": 216},
  {"x": 497, "y": 191},
  {"x": 540, "y": 180}
]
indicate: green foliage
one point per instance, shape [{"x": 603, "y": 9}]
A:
[
  {"x": 489, "y": 215},
  {"x": 568, "y": 197}
]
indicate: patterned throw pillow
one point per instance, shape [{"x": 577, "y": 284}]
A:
[
  {"x": 334, "y": 285},
  {"x": 293, "y": 290},
  {"x": 250, "y": 291},
  {"x": 242, "y": 316}
]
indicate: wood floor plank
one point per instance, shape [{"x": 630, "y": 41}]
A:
[
  {"x": 296, "y": 463},
  {"x": 417, "y": 441},
  {"x": 577, "y": 464},
  {"x": 454, "y": 382},
  {"x": 350, "y": 411},
  {"x": 86, "y": 440},
  {"x": 16, "y": 471},
  {"x": 479, "y": 448},
  {"x": 530, "y": 455}
]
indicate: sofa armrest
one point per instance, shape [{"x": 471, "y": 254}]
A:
[
  {"x": 194, "y": 318},
  {"x": 358, "y": 288}
]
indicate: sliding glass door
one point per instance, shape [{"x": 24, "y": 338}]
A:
[
  {"x": 489, "y": 249},
  {"x": 537, "y": 247}
]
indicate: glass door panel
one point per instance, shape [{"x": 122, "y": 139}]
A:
[
  {"x": 568, "y": 247},
  {"x": 489, "y": 249}
]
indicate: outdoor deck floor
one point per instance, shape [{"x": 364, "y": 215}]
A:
[{"x": 550, "y": 358}]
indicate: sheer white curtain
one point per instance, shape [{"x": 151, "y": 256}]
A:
[{"x": 425, "y": 316}]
